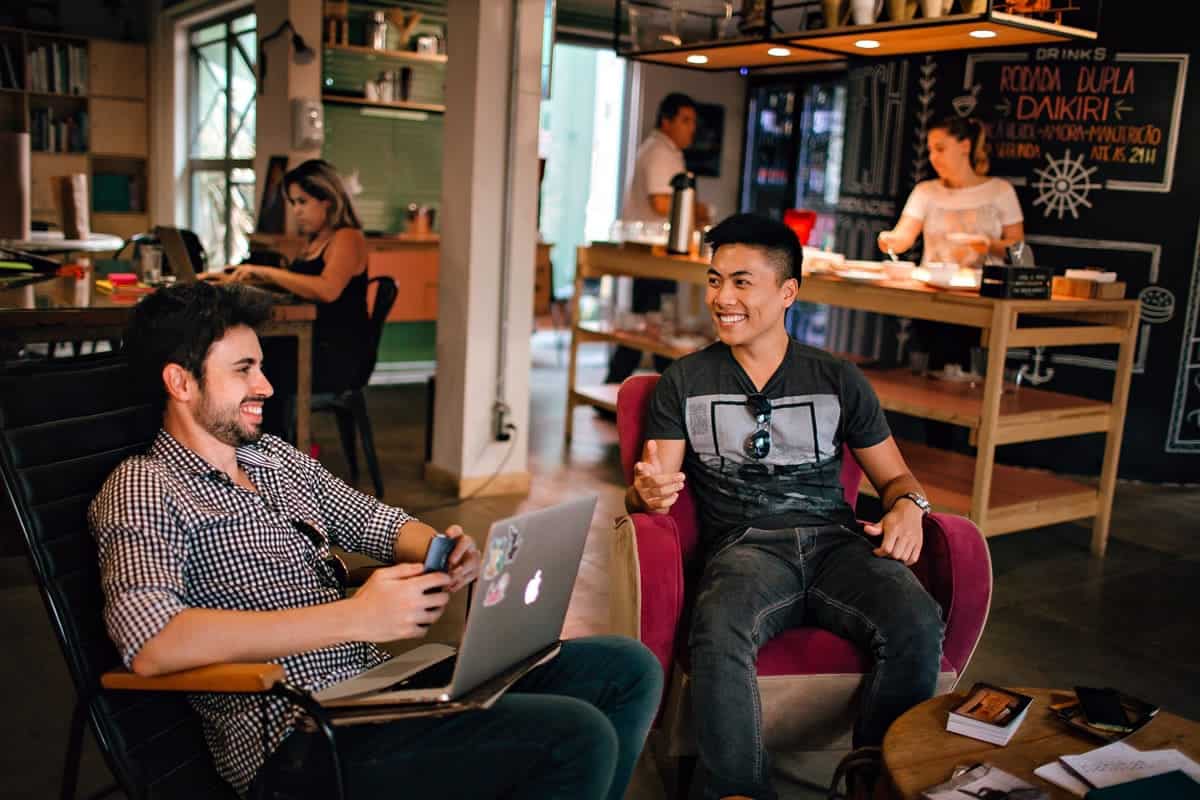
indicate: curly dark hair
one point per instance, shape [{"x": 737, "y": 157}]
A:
[{"x": 178, "y": 324}]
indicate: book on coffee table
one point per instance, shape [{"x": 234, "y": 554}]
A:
[
  {"x": 990, "y": 713},
  {"x": 984, "y": 780}
]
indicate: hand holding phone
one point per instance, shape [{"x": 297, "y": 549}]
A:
[{"x": 438, "y": 554}]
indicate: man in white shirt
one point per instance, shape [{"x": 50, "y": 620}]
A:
[{"x": 648, "y": 200}]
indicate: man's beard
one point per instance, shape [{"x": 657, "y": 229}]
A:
[{"x": 226, "y": 425}]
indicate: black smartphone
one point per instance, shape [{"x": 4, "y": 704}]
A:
[
  {"x": 1102, "y": 708},
  {"x": 438, "y": 554}
]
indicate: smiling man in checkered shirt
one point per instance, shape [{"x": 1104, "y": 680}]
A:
[{"x": 214, "y": 547}]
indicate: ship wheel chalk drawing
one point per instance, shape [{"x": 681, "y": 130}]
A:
[
  {"x": 1064, "y": 185},
  {"x": 1158, "y": 304}
]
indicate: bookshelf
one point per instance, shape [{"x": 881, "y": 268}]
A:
[{"x": 84, "y": 103}]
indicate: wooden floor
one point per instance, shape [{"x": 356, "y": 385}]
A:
[{"x": 1058, "y": 617}]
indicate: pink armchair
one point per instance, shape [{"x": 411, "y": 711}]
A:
[{"x": 808, "y": 677}]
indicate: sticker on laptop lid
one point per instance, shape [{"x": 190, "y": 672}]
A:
[
  {"x": 514, "y": 543},
  {"x": 497, "y": 557},
  {"x": 502, "y": 551},
  {"x": 496, "y": 591}
]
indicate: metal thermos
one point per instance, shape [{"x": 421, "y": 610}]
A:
[{"x": 683, "y": 213}]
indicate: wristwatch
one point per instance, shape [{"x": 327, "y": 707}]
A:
[{"x": 921, "y": 502}]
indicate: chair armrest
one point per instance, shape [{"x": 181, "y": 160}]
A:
[
  {"x": 956, "y": 568},
  {"x": 654, "y": 562},
  {"x": 234, "y": 678}
]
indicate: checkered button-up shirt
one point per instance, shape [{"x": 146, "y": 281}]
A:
[{"x": 174, "y": 532}]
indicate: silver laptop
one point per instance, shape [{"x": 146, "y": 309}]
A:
[
  {"x": 185, "y": 270},
  {"x": 517, "y": 610},
  {"x": 177, "y": 253}
]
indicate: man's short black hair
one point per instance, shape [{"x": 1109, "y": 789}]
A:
[
  {"x": 777, "y": 240},
  {"x": 178, "y": 324},
  {"x": 670, "y": 106}
]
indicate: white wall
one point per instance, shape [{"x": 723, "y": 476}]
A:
[{"x": 719, "y": 88}]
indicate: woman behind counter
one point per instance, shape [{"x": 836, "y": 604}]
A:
[
  {"x": 965, "y": 216},
  {"x": 331, "y": 269}
]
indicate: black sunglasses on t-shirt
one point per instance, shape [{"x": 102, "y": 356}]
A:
[{"x": 758, "y": 443}]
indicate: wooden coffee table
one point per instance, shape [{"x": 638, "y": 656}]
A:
[{"x": 918, "y": 751}]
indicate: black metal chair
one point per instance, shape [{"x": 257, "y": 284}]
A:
[
  {"x": 63, "y": 428},
  {"x": 350, "y": 406}
]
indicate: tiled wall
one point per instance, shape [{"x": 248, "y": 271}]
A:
[{"x": 397, "y": 154}]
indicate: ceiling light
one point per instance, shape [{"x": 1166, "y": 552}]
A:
[
  {"x": 982, "y": 33},
  {"x": 697, "y": 59},
  {"x": 780, "y": 52},
  {"x": 867, "y": 44}
]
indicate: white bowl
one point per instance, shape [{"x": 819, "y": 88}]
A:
[
  {"x": 821, "y": 260},
  {"x": 872, "y": 266},
  {"x": 898, "y": 270}
]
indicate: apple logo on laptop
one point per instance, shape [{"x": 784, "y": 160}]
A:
[{"x": 532, "y": 588}]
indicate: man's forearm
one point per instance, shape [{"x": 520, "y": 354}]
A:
[
  {"x": 412, "y": 542},
  {"x": 196, "y": 637}
]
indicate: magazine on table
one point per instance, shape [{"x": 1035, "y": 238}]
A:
[{"x": 984, "y": 780}]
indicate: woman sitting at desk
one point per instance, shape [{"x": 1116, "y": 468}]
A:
[
  {"x": 965, "y": 216},
  {"x": 331, "y": 270}
]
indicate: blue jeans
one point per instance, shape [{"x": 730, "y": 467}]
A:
[
  {"x": 572, "y": 728},
  {"x": 827, "y": 577}
]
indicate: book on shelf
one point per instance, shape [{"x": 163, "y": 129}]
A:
[
  {"x": 990, "y": 713},
  {"x": 9, "y": 79},
  {"x": 984, "y": 780}
]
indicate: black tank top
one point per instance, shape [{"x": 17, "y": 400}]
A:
[{"x": 341, "y": 333}]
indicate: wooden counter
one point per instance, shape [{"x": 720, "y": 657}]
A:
[{"x": 999, "y": 499}]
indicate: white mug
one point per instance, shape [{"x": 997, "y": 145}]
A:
[
  {"x": 865, "y": 12},
  {"x": 935, "y": 8}
]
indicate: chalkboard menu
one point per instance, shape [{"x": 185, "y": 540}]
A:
[
  {"x": 1072, "y": 121},
  {"x": 1091, "y": 139}
]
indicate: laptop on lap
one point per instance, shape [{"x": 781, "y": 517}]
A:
[{"x": 519, "y": 603}]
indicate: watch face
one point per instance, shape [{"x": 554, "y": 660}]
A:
[{"x": 921, "y": 502}]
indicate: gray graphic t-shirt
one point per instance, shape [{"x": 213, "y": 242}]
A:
[{"x": 818, "y": 402}]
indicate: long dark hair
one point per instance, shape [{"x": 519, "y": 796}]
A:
[
  {"x": 972, "y": 130},
  {"x": 317, "y": 178}
]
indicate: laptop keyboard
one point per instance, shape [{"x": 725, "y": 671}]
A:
[{"x": 434, "y": 676}]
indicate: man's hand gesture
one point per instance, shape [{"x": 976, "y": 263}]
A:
[
  {"x": 902, "y": 532},
  {"x": 656, "y": 488}
]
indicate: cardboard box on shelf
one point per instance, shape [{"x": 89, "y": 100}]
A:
[{"x": 1086, "y": 289}]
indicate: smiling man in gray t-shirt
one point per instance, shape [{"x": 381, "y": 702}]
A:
[{"x": 759, "y": 424}]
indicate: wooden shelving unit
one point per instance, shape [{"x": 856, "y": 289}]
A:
[
  {"x": 398, "y": 55},
  {"x": 341, "y": 99},
  {"x": 111, "y": 83},
  {"x": 999, "y": 499}
]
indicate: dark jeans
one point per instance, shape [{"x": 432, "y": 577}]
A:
[
  {"x": 572, "y": 728},
  {"x": 826, "y": 577}
]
